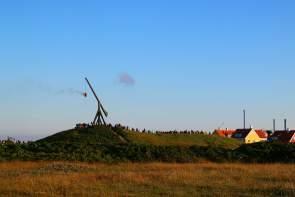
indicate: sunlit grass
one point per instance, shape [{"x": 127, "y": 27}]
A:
[
  {"x": 152, "y": 179},
  {"x": 183, "y": 140}
]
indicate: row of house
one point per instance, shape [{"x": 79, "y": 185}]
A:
[
  {"x": 285, "y": 136},
  {"x": 257, "y": 135}
]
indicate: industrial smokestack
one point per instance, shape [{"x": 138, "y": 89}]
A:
[
  {"x": 274, "y": 125},
  {"x": 244, "y": 118},
  {"x": 285, "y": 124}
]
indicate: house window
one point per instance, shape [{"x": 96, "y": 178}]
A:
[{"x": 238, "y": 135}]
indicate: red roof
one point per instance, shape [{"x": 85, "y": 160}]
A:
[
  {"x": 225, "y": 132},
  {"x": 261, "y": 133},
  {"x": 283, "y": 136},
  {"x": 241, "y": 133},
  {"x": 278, "y": 133}
]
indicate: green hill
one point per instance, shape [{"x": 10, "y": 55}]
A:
[
  {"x": 117, "y": 135},
  {"x": 95, "y": 135},
  {"x": 114, "y": 144},
  {"x": 182, "y": 140}
]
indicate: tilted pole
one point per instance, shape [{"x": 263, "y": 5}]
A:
[
  {"x": 98, "y": 119},
  {"x": 92, "y": 90}
]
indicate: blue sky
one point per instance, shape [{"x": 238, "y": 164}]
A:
[{"x": 195, "y": 64}]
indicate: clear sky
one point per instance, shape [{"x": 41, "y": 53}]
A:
[{"x": 194, "y": 64}]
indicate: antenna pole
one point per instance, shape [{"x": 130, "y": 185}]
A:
[{"x": 244, "y": 116}]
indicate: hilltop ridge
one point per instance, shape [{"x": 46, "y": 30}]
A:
[
  {"x": 111, "y": 135},
  {"x": 91, "y": 135}
]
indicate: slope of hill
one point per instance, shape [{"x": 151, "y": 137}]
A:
[
  {"x": 95, "y": 135},
  {"x": 183, "y": 140},
  {"x": 114, "y": 144},
  {"x": 116, "y": 135}
]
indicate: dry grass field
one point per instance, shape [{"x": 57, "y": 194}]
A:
[{"x": 151, "y": 179}]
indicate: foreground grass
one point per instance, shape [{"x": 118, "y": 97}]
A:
[
  {"x": 154, "y": 179},
  {"x": 183, "y": 140}
]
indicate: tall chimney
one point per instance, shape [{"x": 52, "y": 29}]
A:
[
  {"x": 285, "y": 124},
  {"x": 274, "y": 125},
  {"x": 244, "y": 114}
]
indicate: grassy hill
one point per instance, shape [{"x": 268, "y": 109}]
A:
[
  {"x": 117, "y": 135},
  {"x": 182, "y": 140},
  {"x": 95, "y": 135},
  {"x": 114, "y": 144}
]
